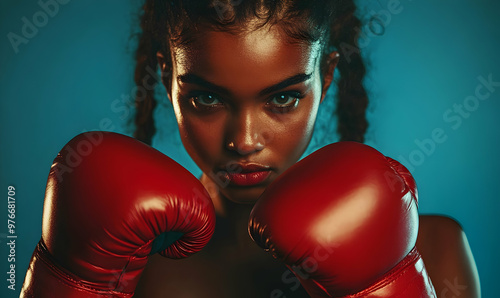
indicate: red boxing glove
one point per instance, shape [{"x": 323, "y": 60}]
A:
[
  {"x": 345, "y": 220},
  {"x": 110, "y": 202}
]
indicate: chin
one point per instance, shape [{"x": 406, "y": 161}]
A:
[{"x": 244, "y": 195}]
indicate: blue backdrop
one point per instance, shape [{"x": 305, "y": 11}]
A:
[{"x": 67, "y": 68}]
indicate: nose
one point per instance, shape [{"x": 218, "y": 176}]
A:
[{"x": 246, "y": 133}]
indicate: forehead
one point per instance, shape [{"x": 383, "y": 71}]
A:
[{"x": 251, "y": 58}]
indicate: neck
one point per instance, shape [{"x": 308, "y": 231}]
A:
[{"x": 232, "y": 218}]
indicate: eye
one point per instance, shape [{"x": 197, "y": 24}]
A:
[
  {"x": 204, "y": 101},
  {"x": 285, "y": 102}
]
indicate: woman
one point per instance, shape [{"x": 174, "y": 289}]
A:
[{"x": 246, "y": 79}]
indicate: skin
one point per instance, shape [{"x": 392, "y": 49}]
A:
[
  {"x": 239, "y": 124},
  {"x": 447, "y": 256}
]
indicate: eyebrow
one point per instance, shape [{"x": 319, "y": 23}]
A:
[{"x": 197, "y": 80}]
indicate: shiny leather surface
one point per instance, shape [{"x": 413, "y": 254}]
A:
[
  {"x": 108, "y": 197},
  {"x": 343, "y": 218}
]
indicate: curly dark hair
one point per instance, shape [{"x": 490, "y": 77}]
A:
[{"x": 175, "y": 23}]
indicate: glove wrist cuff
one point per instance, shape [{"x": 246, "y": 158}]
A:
[
  {"x": 45, "y": 279},
  {"x": 408, "y": 279}
]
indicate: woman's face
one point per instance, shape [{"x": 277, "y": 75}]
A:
[{"x": 246, "y": 105}]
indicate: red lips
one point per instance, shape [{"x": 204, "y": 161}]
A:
[{"x": 245, "y": 174}]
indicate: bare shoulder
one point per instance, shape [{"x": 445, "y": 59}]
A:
[{"x": 447, "y": 256}]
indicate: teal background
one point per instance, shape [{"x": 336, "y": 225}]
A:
[{"x": 75, "y": 74}]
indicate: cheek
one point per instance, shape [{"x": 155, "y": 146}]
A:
[
  {"x": 202, "y": 139},
  {"x": 300, "y": 129},
  {"x": 296, "y": 133},
  {"x": 292, "y": 136}
]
